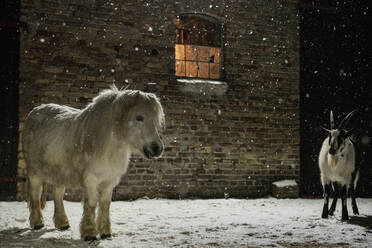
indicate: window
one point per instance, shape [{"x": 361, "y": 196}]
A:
[{"x": 198, "y": 47}]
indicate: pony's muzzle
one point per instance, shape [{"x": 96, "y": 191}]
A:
[{"x": 153, "y": 150}]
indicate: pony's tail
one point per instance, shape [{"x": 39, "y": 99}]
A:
[{"x": 43, "y": 196}]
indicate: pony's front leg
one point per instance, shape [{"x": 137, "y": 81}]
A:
[
  {"x": 35, "y": 190},
  {"x": 103, "y": 220},
  {"x": 88, "y": 229}
]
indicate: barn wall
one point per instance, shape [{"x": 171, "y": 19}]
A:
[{"x": 236, "y": 138}]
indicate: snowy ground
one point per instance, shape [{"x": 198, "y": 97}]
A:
[{"x": 198, "y": 223}]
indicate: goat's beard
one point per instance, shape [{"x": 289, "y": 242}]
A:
[{"x": 332, "y": 160}]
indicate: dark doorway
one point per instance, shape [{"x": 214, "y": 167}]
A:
[
  {"x": 9, "y": 34},
  {"x": 335, "y": 56}
]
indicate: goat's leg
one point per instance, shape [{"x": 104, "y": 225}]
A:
[
  {"x": 345, "y": 215},
  {"x": 35, "y": 189},
  {"x": 335, "y": 197},
  {"x": 353, "y": 201},
  {"x": 103, "y": 219},
  {"x": 326, "y": 191},
  {"x": 88, "y": 229},
  {"x": 60, "y": 217}
]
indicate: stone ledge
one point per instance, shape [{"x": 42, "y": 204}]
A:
[
  {"x": 285, "y": 189},
  {"x": 203, "y": 86}
]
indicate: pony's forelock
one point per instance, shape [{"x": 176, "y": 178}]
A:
[{"x": 125, "y": 95}]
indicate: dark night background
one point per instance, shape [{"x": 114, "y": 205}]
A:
[
  {"x": 335, "y": 56},
  {"x": 9, "y": 55},
  {"x": 335, "y": 75}
]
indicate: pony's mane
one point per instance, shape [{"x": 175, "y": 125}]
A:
[
  {"x": 110, "y": 93},
  {"x": 114, "y": 93}
]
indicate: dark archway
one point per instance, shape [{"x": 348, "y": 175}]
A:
[
  {"x": 9, "y": 33},
  {"x": 335, "y": 50}
]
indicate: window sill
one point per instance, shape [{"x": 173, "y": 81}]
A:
[{"x": 202, "y": 86}]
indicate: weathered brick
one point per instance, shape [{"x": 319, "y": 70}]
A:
[{"x": 212, "y": 142}]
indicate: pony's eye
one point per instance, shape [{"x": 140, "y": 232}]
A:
[{"x": 139, "y": 118}]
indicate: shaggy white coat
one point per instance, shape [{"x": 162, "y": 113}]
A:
[
  {"x": 337, "y": 168},
  {"x": 88, "y": 149}
]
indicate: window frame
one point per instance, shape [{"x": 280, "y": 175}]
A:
[{"x": 217, "y": 44}]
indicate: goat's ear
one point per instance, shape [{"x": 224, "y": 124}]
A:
[
  {"x": 349, "y": 133},
  {"x": 325, "y": 129}
]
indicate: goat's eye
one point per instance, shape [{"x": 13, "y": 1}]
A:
[{"x": 139, "y": 118}]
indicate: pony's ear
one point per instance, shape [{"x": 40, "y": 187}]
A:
[
  {"x": 114, "y": 88},
  {"x": 123, "y": 103}
]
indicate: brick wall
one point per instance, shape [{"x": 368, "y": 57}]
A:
[{"x": 235, "y": 140}]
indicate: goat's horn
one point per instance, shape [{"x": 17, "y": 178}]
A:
[
  {"x": 346, "y": 120},
  {"x": 332, "y": 120},
  {"x": 329, "y": 131}
]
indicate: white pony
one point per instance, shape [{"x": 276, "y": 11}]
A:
[{"x": 88, "y": 149}]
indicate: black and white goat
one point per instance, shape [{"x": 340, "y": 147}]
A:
[{"x": 338, "y": 168}]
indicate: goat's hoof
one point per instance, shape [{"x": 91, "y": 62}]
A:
[
  {"x": 356, "y": 212},
  {"x": 105, "y": 236},
  {"x": 345, "y": 218},
  {"x": 330, "y": 213},
  {"x": 63, "y": 228},
  {"x": 38, "y": 227},
  {"x": 325, "y": 216},
  {"x": 90, "y": 238}
]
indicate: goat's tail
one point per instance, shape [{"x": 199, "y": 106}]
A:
[{"x": 43, "y": 196}]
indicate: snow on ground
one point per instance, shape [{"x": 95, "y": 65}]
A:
[{"x": 265, "y": 222}]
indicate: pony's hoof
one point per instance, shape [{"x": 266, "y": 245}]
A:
[
  {"x": 105, "y": 236},
  {"x": 90, "y": 238},
  {"x": 64, "y": 228},
  {"x": 38, "y": 227}
]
